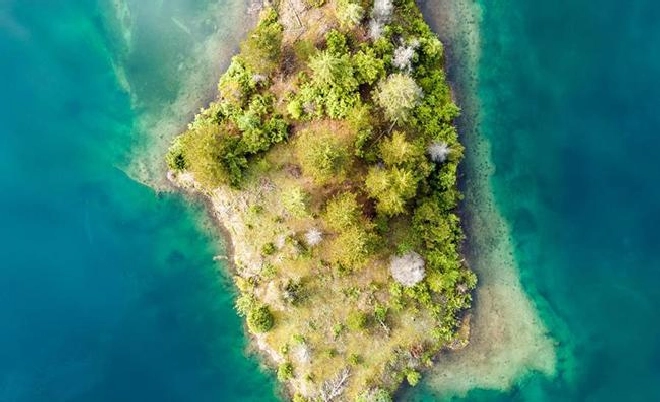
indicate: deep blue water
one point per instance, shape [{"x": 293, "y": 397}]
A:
[{"x": 108, "y": 291}]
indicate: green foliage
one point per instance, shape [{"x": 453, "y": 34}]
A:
[
  {"x": 296, "y": 201},
  {"x": 353, "y": 246},
  {"x": 342, "y": 211},
  {"x": 397, "y": 151},
  {"x": 397, "y": 96},
  {"x": 322, "y": 155},
  {"x": 413, "y": 377},
  {"x": 331, "y": 69},
  {"x": 392, "y": 188},
  {"x": 213, "y": 157},
  {"x": 244, "y": 304},
  {"x": 354, "y": 359},
  {"x": 374, "y": 395},
  {"x": 260, "y": 319},
  {"x": 261, "y": 50},
  {"x": 285, "y": 372},
  {"x": 268, "y": 249},
  {"x": 349, "y": 13},
  {"x": 369, "y": 68},
  {"x": 356, "y": 320},
  {"x": 335, "y": 43},
  {"x": 237, "y": 83}
]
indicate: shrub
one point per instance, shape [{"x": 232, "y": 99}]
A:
[
  {"x": 413, "y": 377},
  {"x": 213, "y": 157},
  {"x": 285, "y": 372},
  {"x": 353, "y": 246},
  {"x": 368, "y": 67},
  {"x": 356, "y": 320},
  {"x": 260, "y": 319},
  {"x": 268, "y": 249},
  {"x": 295, "y": 200},
  {"x": 397, "y": 151}
]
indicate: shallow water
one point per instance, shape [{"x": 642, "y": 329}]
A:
[
  {"x": 567, "y": 95},
  {"x": 108, "y": 291}
]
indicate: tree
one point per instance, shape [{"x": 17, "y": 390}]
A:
[
  {"x": 397, "y": 151},
  {"x": 398, "y": 95},
  {"x": 331, "y": 69},
  {"x": 407, "y": 269},
  {"x": 213, "y": 157},
  {"x": 349, "y": 13},
  {"x": 391, "y": 188},
  {"x": 342, "y": 211},
  {"x": 322, "y": 155},
  {"x": 356, "y": 320},
  {"x": 353, "y": 246},
  {"x": 260, "y": 319},
  {"x": 261, "y": 50},
  {"x": 368, "y": 67},
  {"x": 285, "y": 372},
  {"x": 438, "y": 151}
]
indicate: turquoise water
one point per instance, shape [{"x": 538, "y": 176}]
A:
[
  {"x": 569, "y": 98},
  {"x": 108, "y": 291}
]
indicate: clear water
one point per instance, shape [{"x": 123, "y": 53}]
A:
[
  {"x": 569, "y": 96},
  {"x": 108, "y": 291}
]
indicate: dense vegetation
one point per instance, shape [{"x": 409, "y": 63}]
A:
[{"x": 342, "y": 139}]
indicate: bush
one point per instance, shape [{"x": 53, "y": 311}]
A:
[
  {"x": 353, "y": 246},
  {"x": 349, "y": 13},
  {"x": 356, "y": 320},
  {"x": 413, "y": 377},
  {"x": 213, "y": 157},
  {"x": 268, "y": 249},
  {"x": 260, "y": 319},
  {"x": 295, "y": 200},
  {"x": 285, "y": 372}
]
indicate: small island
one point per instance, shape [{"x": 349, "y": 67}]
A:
[{"x": 330, "y": 158}]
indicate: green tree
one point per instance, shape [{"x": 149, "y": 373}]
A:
[
  {"x": 214, "y": 158},
  {"x": 322, "y": 156},
  {"x": 285, "y": 371},
  {"x": 349, "y": 13},
  {"x": 391, "y": 188},
  {"x": 356, "y": 320},
  {"x": 397, "y": 151},
  {"x": 261, "y": 50},
  {"x": 368, "y": 67},
  {"x": 342, "y": 211},
  {"x": 333, "y": 70},
  {"x": 397, "y": 96},
  {"x": 353, "y": 246},
  {"x": 260, "y": 319}
]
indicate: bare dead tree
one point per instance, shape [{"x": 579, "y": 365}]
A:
[{"x": 333, "y": 388}]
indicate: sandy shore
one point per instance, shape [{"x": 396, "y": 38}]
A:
[{"x": 508, "y": 338}]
